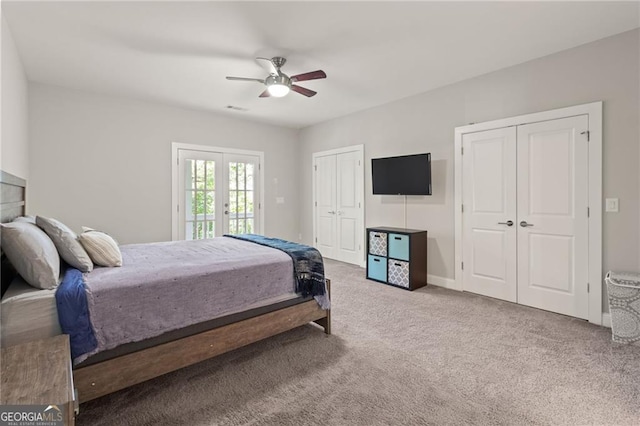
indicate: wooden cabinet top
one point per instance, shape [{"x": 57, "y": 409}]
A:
[
  {"x": 396, "y": 230},
  {"x": 37, "y": 372}
]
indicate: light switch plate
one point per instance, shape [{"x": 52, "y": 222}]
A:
[
  {"x": 611, "y": 205},
  {"x": 279, "y": 200}
]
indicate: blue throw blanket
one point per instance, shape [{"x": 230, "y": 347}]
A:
[
  {"x": 308, "y": 267},
  {"x": 73, "y": 313}
]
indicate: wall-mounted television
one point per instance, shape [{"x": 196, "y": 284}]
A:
[{"x": 404, "y": 175}]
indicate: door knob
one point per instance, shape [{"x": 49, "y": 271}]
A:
[
  {"x": 524, "y": 224},
  {"x": 508, "y": 223},
  {"x": 226, "y": 212}
]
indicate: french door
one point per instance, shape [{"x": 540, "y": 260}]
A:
[
  {"x": 525, "y": 218},
  {"x": 218, "y": 193}
]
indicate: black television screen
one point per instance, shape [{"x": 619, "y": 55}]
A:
[{"x": 405, "y": 175}]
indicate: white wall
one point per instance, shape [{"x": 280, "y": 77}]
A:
[
  {"x": 105, "y": 162},
  {"x": 14, "y": 155},
  {"x": 606, "y": 70}
]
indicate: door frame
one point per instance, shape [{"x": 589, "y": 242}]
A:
[
  {"x": 175, "y": 146},
  {"x": 594, "y": 113},
  {"x": 354, "y": 148}
]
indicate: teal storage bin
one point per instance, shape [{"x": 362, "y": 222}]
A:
[
  {"x": 377, "y": 268},
  {"x": 399, "y": 246}
]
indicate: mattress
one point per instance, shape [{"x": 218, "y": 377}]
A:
[
  {"x": 171, "y": 285},
  {"x": 27, "y": 313},
  {"x": 262, "y": 308}
]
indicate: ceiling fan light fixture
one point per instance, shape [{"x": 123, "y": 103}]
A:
[
  {"x": 278, "y": 90},
  {"x": 278, "y": 83}
]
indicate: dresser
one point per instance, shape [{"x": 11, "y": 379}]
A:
[
  {"x": 397, "y": 256},
  {"x": 38, "y": 373}
]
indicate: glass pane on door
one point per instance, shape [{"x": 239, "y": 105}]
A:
[
  {"x": 199, "y": 198},
  {"x": 241, "y": 197}
]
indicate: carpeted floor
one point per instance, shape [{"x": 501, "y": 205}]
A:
[{"x": 432, "y": 356}]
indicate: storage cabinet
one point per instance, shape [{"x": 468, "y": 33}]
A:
[{"x": 397, "y": 256}]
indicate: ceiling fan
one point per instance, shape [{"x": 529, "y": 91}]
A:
[{"x": 278, "y": 83}]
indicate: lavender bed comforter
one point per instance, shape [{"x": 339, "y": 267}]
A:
[{"x": 170, "y": 285}]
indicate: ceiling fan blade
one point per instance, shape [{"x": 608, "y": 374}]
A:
[
  {"x": 313, "y": 75},
  {"x": 245, "y": 79},
  {"x": 303, "y": 91},
  {"x": 265, "y": 94},
  {"x": 268, "y": 65}
]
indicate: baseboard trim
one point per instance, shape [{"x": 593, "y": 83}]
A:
[
  {"x": 451, "y": 284},
  {"x": 441, "y": 281},
  {"x": 606, "y": 319}
]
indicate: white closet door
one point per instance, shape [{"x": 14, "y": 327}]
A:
[
  {"x": 489, "y": 194},
  {"x": 325, "y": 209},
  {"x": 552, "y": 216},
  {"x": 348, "y": 184}
]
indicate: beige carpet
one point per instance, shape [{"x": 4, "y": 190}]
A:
[{"x": 432, "y": 356}]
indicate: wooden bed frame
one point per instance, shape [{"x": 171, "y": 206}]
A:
[
  {"x": 95, "y": 380},
  {"x": 118, "y": 373}
]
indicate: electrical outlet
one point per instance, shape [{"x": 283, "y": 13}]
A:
[{"x": 611, "y": 205}]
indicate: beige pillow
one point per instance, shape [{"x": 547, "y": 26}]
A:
[
  {"x": 32, "y": 253},
  {"x": 102, "y": 249},
  {"x": 66, "y": 241}
]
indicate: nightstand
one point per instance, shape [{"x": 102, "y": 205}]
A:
[{"x": 39, "y": 373}]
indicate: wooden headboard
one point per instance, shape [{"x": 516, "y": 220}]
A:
[{"x": 12, "y": 205}]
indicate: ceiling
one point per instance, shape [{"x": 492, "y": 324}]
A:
[{"x": 179, "y": 53}]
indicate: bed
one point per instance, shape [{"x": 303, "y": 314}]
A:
[{"x": 123, "y": 365}]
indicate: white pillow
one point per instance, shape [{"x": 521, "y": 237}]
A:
[
  {"x": 32, "y": 253},
  {"x": 28, "y": 219},
  {"x": 102, "y": 249},
  {"x": 66, "y": 241}
]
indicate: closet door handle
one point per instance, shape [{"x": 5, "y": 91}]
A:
[
  {"x": 508, "y": 223},
  {"x": 332, "y": 212},
  {"x": 524, "y": 224}
]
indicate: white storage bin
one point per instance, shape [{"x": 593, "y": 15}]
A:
[
  {"x": 398, "y": 273},
  {"x": 378, "y": 243},
  {"x": 624, "y": 305}
]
